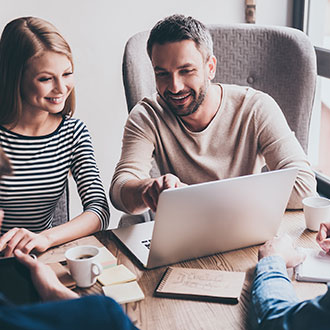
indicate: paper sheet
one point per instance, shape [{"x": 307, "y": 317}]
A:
[
  {"x": 125, "y": 292},
  {"x": 115, "y": 275}
]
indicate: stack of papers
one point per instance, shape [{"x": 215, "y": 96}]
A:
[{"x": 118, "y": 281}]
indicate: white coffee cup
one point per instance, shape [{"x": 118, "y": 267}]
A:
[
  {"x": 83, "y": 264},
  {"x": 316, "y": 210}
]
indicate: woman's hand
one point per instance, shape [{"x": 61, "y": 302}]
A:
[{"x": 24, "y": 240}]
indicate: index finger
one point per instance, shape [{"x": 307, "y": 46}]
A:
[
  {"x": 322, "y": 233},
  {"x": 5, "y": 238},
  {"x": 170, "y": 181}
]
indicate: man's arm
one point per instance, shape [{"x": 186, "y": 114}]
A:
[
  {"x": 275, "y": 303},
  {"x": 281, "y": 149},
  {"x": 132, "y": 189}
]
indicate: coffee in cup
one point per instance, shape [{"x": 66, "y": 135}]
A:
[{"x": 84, "y": 256}]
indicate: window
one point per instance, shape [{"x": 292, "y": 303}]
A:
[{"x": 313, "y": 17}]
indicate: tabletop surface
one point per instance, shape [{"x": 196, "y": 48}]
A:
[{"x": 164, "y": 313}]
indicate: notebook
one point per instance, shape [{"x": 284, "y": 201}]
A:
[
  {"x": 315, "y": 268},
  {"x": 207, "y": 218},
  {"x": 201, "y": 284}
]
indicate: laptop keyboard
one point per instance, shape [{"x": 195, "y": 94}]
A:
[{"x": 146, "y": 243}]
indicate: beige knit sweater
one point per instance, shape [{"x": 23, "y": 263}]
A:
[{"x": 248, "y": 131}]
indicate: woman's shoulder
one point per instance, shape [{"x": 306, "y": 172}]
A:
[
  {"x": 70, "y": 123},
  {"x": 74, "y": 129}
]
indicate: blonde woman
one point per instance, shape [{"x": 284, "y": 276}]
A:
[{"x": 43, "y": 141}]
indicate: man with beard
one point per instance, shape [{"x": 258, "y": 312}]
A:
[{"x": 198, "y": 131}]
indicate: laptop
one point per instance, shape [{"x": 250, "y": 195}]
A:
[{"x": 207, "y": 218}]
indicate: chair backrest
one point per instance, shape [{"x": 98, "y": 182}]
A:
[
  {"x": 280, "y": 61},
  {"x": 61, "y": 213}
]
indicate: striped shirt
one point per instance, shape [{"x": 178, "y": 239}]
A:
[{"x": 40, "y": 171}]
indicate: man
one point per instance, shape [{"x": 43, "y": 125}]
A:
[
  {"x": 198, "y": 131},
  {"x": 62, "y": 308},
  {"x": 275, "y": 303}
]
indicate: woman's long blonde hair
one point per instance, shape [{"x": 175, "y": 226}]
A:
[{"x": 22, "y": 39}]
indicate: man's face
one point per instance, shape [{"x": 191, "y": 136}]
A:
[{"x": 182, "y": 75}]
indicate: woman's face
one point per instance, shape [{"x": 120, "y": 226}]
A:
[{"x": 47, "y": 82}]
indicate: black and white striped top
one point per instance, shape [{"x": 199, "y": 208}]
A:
[{"x": 40, "y": 170}]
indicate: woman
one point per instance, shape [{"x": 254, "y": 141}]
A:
[
  {"x": 76, "y": 313},
  {"x": 43, "y": 141}
]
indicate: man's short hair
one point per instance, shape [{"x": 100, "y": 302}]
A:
[{"x": 178, "y": 28}]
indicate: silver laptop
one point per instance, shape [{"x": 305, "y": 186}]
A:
[{"x": 207, "y": 218}]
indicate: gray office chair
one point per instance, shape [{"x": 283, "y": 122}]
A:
[
  {"x": 61, "y": 213},
  {"x": 277, "y": 60}
]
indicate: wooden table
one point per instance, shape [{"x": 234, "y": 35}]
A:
[{"x": 162, "y": 313}]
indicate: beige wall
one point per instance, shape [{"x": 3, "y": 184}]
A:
[{"x": 97, "y": 31}]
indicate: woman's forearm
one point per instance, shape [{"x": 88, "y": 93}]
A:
[{"x": 83, "y": 225}]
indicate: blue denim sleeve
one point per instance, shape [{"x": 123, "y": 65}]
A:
[
  {"x": 276, "y": 305},
  {"x": 89, "y": 312}
]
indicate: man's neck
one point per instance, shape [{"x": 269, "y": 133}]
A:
[{"x": 200, "y": 119}]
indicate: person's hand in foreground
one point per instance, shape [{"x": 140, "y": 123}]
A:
[
  {"x": 152, "y": 190},
  {"x": 24, "y": 240},
  {"x": 44, "y": 279},
  {"x": 282, "y": 246},
  {"x": 323, "y": 236}
]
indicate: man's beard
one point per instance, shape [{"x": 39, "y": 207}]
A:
[{"x": 183, "y": 111}]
